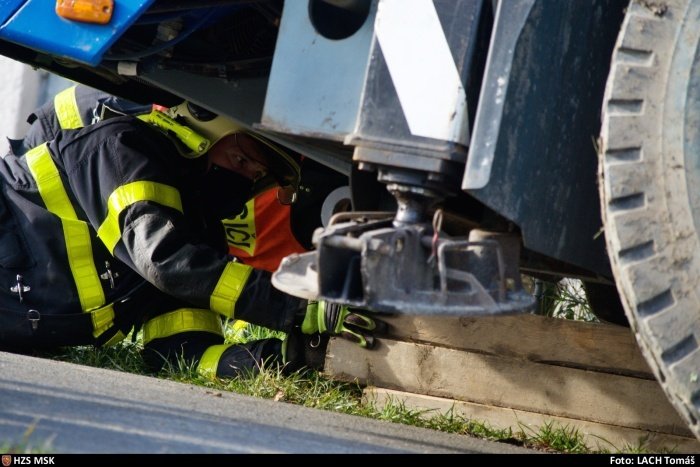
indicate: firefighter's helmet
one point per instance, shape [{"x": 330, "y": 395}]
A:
[{"x": 283, "y": 168}]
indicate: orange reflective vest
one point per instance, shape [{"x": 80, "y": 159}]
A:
[{"x": 262, "y": 234}]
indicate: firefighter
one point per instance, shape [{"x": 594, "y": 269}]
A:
[
  {"x": 277, "y": 222},
  {"x": 281, "y": 220},
  {"x": 108, "y": 228},
  {"x": 274, "y": 224},
  {"x": 75, "y": 107}
]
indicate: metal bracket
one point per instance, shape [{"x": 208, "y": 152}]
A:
[
  {"x": 369, "y": 263},
  {"x": 109, "y": 275},
  {"x": 20, "y": 288},
  {"x": 33, "y": 316}
]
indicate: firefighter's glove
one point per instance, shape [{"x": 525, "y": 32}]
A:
[{"x": 340, "y": 320}]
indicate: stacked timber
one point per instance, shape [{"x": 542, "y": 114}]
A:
[{"x": 520, "y": 372}]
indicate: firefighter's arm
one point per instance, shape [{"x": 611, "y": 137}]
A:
[
  {"x": 158, "y": 243},
  {"x": 137, "y": 210}
]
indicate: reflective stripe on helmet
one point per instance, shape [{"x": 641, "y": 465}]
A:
[
  {"x": 126, "y": 195},
  {"x": 75, "y": 232},
  {"x": 182, "y": 320},
  {"x": 228, "y": 289},
  {"x": 67, "y": 110}
]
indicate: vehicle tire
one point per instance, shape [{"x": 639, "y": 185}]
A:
[{"x": 650, "y": 189}]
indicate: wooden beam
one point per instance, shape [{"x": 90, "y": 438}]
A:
[
  {"x": 597, "y": 436},
  {"x": 597, "y": 346},
  {"x": 506, "y": 382}
]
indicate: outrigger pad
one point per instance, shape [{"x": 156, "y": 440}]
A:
[{"x": 372, "y": 264}]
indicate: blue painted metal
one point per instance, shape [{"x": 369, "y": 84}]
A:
[
  {"x": 37, "y": 26},
  {"x": 8, "y": 8}
]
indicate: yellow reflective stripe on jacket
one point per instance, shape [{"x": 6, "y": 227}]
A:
[
  {"x": 102, "y": 319},
  {"x": 228, "y": 289},
  {"x": 117, "y": 338},
  {"x": 126, "y": 195},
  {"x": 240, "y": 230},
  {"x": 182, "y": 320},
  {"x": 210, "y": 359},
  {"x": 67, "y": 110},
  {"x": 75, "y": 232}
]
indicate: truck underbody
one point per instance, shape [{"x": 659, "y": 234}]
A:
[{"x": 482, "y": 140}]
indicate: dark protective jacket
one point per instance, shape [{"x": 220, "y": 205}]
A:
[
  {"x": 75, "y": 107},
  {"x": 99, "y": 218},
  {"x": 263, "y": 233}
]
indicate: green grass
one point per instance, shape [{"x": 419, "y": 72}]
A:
[
  {"x": 124, "y": 356},
  {"x": 556, "y": 438},
  {"x": 313, "y": 389},
  {"x": 565, "y": 299},
  {"x": 25, "y": 446}
]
